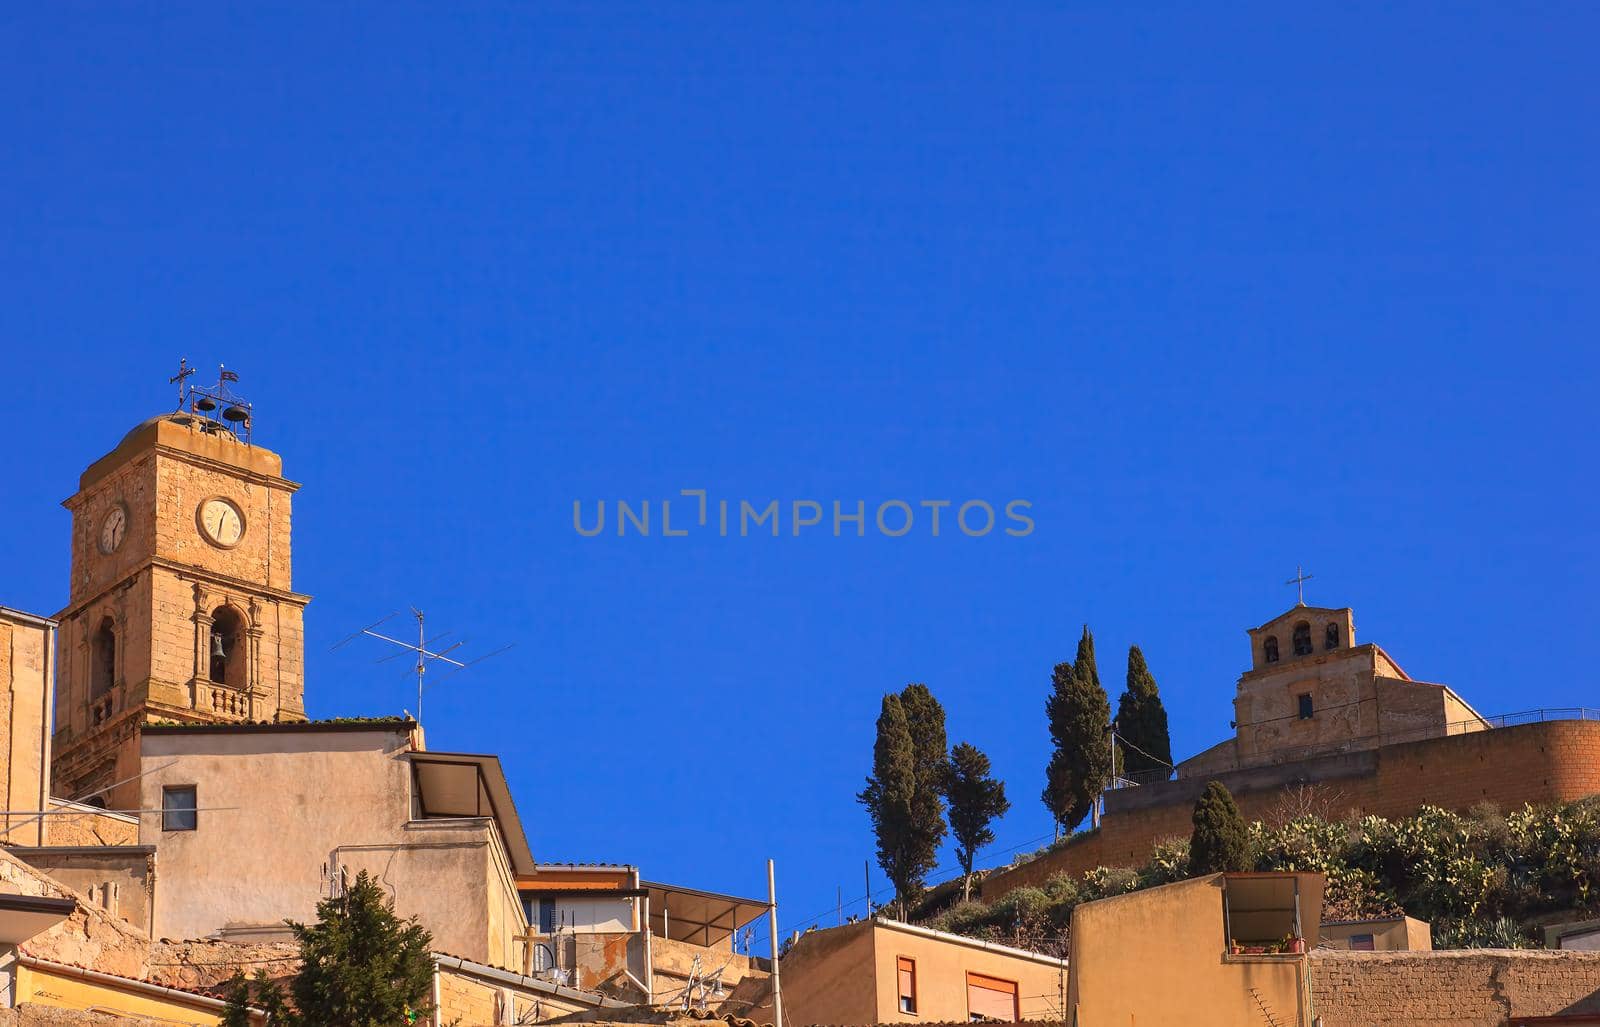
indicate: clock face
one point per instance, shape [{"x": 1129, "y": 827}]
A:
[
  {"x": 221, "y": 522},
  {"x": 113, "y": 528}
]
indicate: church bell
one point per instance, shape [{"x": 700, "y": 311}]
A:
[{"x": 216, "y": 646}]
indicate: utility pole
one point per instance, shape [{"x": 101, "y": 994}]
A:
[
  {"x": 772, "y": 931},
  {"x": 866, "y": 875}
]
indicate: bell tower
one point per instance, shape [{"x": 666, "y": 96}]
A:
[{"x": 180, "y": 601}]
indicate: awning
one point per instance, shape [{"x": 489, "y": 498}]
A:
[
  {"x": 24, "y": 916},
  {"x": 455, "y": 784},
  {"x": 1268, "y": 907},
  {"x": 699, "y": 917}
]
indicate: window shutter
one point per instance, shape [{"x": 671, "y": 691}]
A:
[
  {"x": 908, "y": 984},
  {"x": 990, "y": 998}
]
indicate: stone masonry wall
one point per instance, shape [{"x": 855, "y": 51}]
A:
[
  {"x": 1554, "y": 761},
  {"x": 1474, "y": 988}
]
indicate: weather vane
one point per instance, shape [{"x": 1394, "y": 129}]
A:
[{"x": 217, "y": 407}]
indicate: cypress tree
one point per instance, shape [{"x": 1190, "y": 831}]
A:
[
  {"x": 1079, "y": 715},
  {"x": 890, "y": 797},
  {"x": 976, "y": 799},
  {"x": 931, "y": 762},
  {"x": 362, "y": 966},
  {"x": 1142, "y": 721},
  {"x": 1221, "y": 841}
]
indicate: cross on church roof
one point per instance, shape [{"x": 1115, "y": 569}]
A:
[{"x": 1299, "y": 581}]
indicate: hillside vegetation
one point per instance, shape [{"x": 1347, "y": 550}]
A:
[{"x": 1482, "y": 879}]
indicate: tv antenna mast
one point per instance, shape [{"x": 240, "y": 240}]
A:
[{"x": 424, "y": 654}]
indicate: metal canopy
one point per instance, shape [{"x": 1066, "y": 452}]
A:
[{"x": 699, "y": 917}]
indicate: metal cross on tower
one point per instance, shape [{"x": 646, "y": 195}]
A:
[{"x": 1299, "y": 582}]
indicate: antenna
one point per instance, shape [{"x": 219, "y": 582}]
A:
[{"x": 423, "y": 653}]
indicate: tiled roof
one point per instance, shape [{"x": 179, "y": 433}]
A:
[{"x": 29, "y": 957}]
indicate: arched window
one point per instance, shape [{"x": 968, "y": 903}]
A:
[
  {"x": 1302, "y": 639},
  {"x": 1269, "y": 648},
  {"x": 1330, "y": 637},
  {"x": 227, "y": 653},
  {"x": 102, "y": 659}
]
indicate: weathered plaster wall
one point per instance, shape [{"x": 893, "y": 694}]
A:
[
  {"x": 1476, "y": 988},
  {"x": 88, "y": 937},
  {"x": 466, "y": 1000},
  {"x": 281, "y": 810},
  {"x": 27, "y": 649},
  {"x": 119, "y": 881},
  {"x": 85, "y": 825},
  {"x": 208, "y": 964}
]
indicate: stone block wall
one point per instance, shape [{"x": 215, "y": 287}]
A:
[
  {"x": 1553, "y": 761},
  {"x": 1472, "y": 988}
]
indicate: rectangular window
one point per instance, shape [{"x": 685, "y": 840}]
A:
[
  {"x": 547, "y": 916},
  {"x": 990, "y": 998},
  {"x": 908, "y": 984},
  {"x": 1361, "y": 943},
  {"x": 178, "y": 808},
  {"x": 1306, "y": 710}
]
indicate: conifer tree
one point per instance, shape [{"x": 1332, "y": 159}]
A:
[
  {"x": 1142, "y": 721},
  {"x": 931, "y": 761},
  {"x": 270, "y": 1000},
  {"x": 361, "y": 965},
  {"x": 1221, "y": 841},
  {"x": 976, "y": 800},
  {"x": 1081, "y": 760},
  {"x": 890, "y": 797},
  {"x": 236, "y": 993}
]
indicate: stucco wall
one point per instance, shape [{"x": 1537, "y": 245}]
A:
[
  {"x": 1478, "y": 988},
  {"x": 1157, "y": 957},
  {"x": 849, "y": 975},
  {"x": 281, "y": 811},
  {"x": 65, "y": 990},
  {"x": 1399, "y": 934}
]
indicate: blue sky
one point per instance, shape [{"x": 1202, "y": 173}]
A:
[{"x": 1217, "y": 292}]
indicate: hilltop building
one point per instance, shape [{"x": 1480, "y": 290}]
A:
[{"x": 1319, "y": 716}]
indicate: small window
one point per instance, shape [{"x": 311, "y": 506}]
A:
[
  {"x": 1302, "y": 639},
  {"x": 908, "y": 984},
  {"x": 989, "y": 998},
  {"x": 178, "y": 808},
  {"x": 1330, "y": 637},
  {"x": 547, "y": 916},
  {"x": 1306, "y": 709},
  {"x": 1361, "y": 943},
  {"x": 1270, "y": 648}
]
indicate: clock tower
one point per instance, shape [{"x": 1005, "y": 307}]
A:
[{"x": 180, "y": 601}]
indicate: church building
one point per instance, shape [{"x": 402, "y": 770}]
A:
[{"x": 181, "y": 607}]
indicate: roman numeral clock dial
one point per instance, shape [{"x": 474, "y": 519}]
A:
[{"x": 221, "y": 522}]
